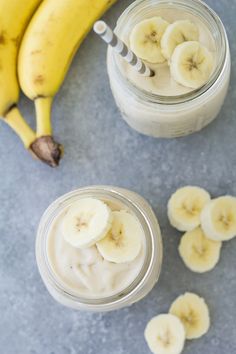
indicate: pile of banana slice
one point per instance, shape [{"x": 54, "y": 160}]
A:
[
  {"x": 188, "y": 318},
  {"x": 118, "y": 235},
  {"x": 155, "y": 40},
  {"x": 206, "y": 223}
]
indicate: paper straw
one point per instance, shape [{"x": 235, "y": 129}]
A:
[{"x": 106, "y": 33}]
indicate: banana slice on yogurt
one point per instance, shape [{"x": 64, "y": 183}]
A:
[
  {"x": 185, "y": 206},
  {"x": 165, "y": 334},
  {"x": 87, "y": 221},
  {"x": 198, "y": 252},
  {"x": 191, "y": 64},
  {"x": 193, "y": 312},
  {"x": 218, "y": 219},
  {"x": 177, "y": 33},
  {"x": 145, "y": 39},
  {"x": 123, "y": 241}
]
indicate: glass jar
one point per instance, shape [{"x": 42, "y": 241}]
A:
[
  {"x": 149, "y": 273},
  {"x": 170, "y": 116}
]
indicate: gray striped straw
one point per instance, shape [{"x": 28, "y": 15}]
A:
[{"x": 106, "y": 33}]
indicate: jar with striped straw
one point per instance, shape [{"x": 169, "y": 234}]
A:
[{"x": 163, "y": 114}]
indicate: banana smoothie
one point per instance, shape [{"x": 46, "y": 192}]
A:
[
  {"x": 95, "y": 248},
  {"x": 99, "y": 248},
  {"x": 185, "y": 44}
]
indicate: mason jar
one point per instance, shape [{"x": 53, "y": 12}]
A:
[
  {"x": 162, "y": 115},
  {"x": 152, "y": 261}
]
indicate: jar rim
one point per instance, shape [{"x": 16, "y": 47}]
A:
[
  {"x": 153, "y": 242},
  {"x": 200, "y": 8}
]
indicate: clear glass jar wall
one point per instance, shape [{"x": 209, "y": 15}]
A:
[
  {"x": 149, "y": 273},
  {"x": 170, "y": 116}
]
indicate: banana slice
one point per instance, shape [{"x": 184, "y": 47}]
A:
[
  {"x": 145, "y": 39},
  {"x": 177, "y": 33},
  {"x": 185, "y": 206},
  {"x": 123, "y": 241},
  {"x": 191, "y": 64},
  {"x": 87, "y": 221},
  {"x": 194, "y": 314},
  {"x": 199, "y": 253},
  {"x": 218, "y": 219},
  {"x": 165, "y": 334}
]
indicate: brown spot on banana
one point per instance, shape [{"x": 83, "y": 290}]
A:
[
  {"x": 16, "y": 41},
  {"x": 39, "y": 80},
  {"x": 2, "y": 37},
  {"x": 37, "y": 51},
  {"x": 38, "y": 96},
  {"x": 8, "y": 110}
]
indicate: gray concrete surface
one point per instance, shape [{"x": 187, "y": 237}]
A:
[{"x": 101, "y": 149}]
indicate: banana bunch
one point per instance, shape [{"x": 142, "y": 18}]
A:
[
  {"x": 40, "y": 49},
  {"x": 207, "y": 223},
  {"x": 48, "y": 47},
  {"x": 155, "y": 40},
  {"x": 188, "y": 318}
]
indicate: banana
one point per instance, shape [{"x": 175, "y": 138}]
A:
[
  {"x": 14, "y": 17},
  {"x": 191, "y": 64},
  {"x": 177, "y": 33},
  {"x": 185, "y": 206},
  {"x": 86, "y": 222},
  {"x": 50, "y": 42},
  {"x": 218, "y": 219},
  {"x": 145, "y": 39},
  {"x": 193, "y": 313},
  {"x": 123, "y": 242},
  {"x": 165, "y": 334},
  {"x": 199, "y": 253}
]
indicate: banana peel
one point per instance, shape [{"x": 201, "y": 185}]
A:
[{"x": 56, "y": 31}]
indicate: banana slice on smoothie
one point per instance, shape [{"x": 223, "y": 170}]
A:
[
  {"x": 185, "y": 206},
  {"x": 87, "y": 221},
  {"x": 218, "y": 219},
  {"x": 145, "y": 39},
  {"x": 191, "y": 64},
  {"x": 193, "y": 312},
  {"x": 199, "y": 253},
  {"x": 123, "y": 241},
  {"x": 177, "y": 33},
  {"x": 165, "y": 334}
]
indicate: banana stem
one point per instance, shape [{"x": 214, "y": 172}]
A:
[
  {"x": 15, "y": 120},
  {"x": 43, "y": 148},
  {"x": 43, "y": 107}
]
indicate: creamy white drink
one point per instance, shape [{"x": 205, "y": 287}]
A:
[
  {"x": 160, "y": 106},
  {"x": 99, "y": 255},
  {"x": 85, "y": 271}
]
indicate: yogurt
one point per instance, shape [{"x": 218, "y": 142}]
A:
[{"x": 85, "y": 271}]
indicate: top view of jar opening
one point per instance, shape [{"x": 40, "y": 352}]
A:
[
  {"x": 99, "y": 248},
  {"x": 185, "y": 43}
]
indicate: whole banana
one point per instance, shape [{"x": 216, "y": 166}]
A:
[
  {"x": 14, "y": 17},
  {"x": 50, "y": 42}
]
